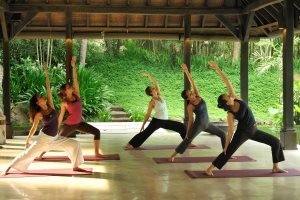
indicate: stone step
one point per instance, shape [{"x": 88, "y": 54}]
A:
[
  {"x": 119, "y": 114},
  {"x": 123, "y": 119},
  {"x": 116, "y": 108}
]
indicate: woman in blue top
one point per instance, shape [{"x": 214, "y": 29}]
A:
[
  {"x": 42, "y": 109},
  {"x": 197, "y": 105},
  {"x": 246, "y": 128}
]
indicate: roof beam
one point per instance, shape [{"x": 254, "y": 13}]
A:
[
  {"x": 148, "y": 10},
  {"x": 27, "y": 19},
  {"x": 228, "y": 25},
  {"x": 3, "y": 26},
  {"x": 247, "y": 27},
  {"x": 259, "y": 4},
  {"x": 3, "y": 5}
]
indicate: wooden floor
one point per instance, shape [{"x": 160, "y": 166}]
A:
[{"x": 136, "y": 176}]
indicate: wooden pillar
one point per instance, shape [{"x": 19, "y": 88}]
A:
[
  {"x": 6, "y": 89},
  {"x": 244, "y": 71},
  {"x": 288, "y": 134},
  {"x": 69, "y": 46},
  {"x": 187, "y": 58}
]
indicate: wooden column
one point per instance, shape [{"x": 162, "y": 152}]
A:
[
  {"x": 244, "y": 71},
  {"x": 288, "y": 134},
  {"x": 69, "y": 46},
  {"x": 6, "y": 89},
  {"x": 187, "y": 58}
]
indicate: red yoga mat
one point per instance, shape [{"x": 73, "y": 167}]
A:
[
  {"x": 201, "y": 159},
  {"x": 242, "y": 173},
  {"x": 46, "y": 172},
  {"x": 161, "y": 147},
  {"x": 86, "y": 158}
]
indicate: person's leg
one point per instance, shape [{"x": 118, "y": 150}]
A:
[
  {"x": 214, "y": 130},
  {"x": 141, "y": 137},
  {"x": 174, "y": 126},
  {"x": 67, "y": 130},
  {"x": 238, "y": 139},
  {"x": 87, "y": 128},
  {"x": 276, "y": 148},
  {"x": 24, "y": 159}
]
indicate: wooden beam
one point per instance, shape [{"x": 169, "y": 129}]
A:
[
  {"x": 27, "y": 19},
  {"x": 146, "y": 20},
  {"x": 203, "y": 21},
  {"x": 3, "y": 26},
  {"x": 49, "y": 20},
  {"x": 247, "y": 26},
  {"x": 228, "y": 25},
  {"x": 259, "y": 4},
  {"x": 148, "y": 10},
  {"x": 166, "y": 21},
  {"x": 108, "y": 20},
  {"x": 127, "y": 21}
]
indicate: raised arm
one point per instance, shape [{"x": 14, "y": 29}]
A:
[
  {"x": 75, "y": 80},
  {"x": 187, "y": 73},
  {"x": 214, "y": 66},
  {"x": 153, "y": 81},
  {"x": 48, "y": 88}
]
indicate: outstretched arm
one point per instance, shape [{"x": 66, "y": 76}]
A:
[
  {"x": 150, "y": 107},
  {"x": 214, "y": 66},
  {"x": 75, "y": 80},
  {"x": 187, "y": 73},
  {"x": 48, "y": 88},
  {"x": 230, "y": 121},
  {"x": 33, "y": 128},
  {"x": 153, "y": 81}
]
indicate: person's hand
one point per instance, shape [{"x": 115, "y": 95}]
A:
[
  {"x": 184, "y": 68},
  {"x": 73, "y": 61},
  {"x": 142, "y": 129},
  {"x": 27, "y": 145},
  {"x": 225, "y": 150},
  {"x": 145, "y": 74},
  {"x": 213, "y": 65}
]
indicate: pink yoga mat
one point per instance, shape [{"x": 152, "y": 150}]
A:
[
  {"x": 242, "y": 173},
  {"x": 46, "y": 172},
  {"x": 200, "y": 159},
  {"x": 86, "y": 158},
  {"x": 160, "y": 147}
]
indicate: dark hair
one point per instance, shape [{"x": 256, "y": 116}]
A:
[
  {"x": 222, "y": 103},
  {"x": 62, "y": 92},
  {"x": 184, "y": 96},
  {"x": 33, "y": 107},
  {"x": 148, "y": 91}
]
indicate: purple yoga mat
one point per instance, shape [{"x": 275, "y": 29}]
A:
[
  {"x": 86, "y": 158},
  {"x": 161, "y": 147},
  {"x": 201, "y": 159},
  {"x": 242, "y": 173},
  {"x": 47, "y": 172}
]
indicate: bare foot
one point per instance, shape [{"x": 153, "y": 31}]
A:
[
  {"x": 129, "y": 146},
  {"x": 39, "y": 158},
  {"x": 278, "y": 170},
  {"x": 172, "y": 159},
  {"x": 192, "y": 145},
  {"x": 79, "y": 169},
  {"x": 5, "y": 172},
  {"x": 98, "y": 155},
  {"x": 233, "y": 157},
  {"x": 209, "y": 173}
]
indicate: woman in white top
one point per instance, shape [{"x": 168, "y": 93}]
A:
[{"x": 160, "y": 118}]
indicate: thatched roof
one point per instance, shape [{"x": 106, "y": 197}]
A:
[{"x": 145, "y": 19}]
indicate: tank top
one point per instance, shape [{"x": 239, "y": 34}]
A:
[
  {"x": 244, "y": 116},
  {"x": 50, "y": 123},
  {"x": 160, "y": 107},
  {"x": 200, "y": 111},
  {"x": 75, "y": 111}
]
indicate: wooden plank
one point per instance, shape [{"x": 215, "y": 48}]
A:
[
  {"x": 228, "y": 25},
  {"x": 149, "y": 10},
  {"x": 247, "y": 26},
  {"x": 27, "y": 19},
  {"x": 3, "y": 26},
  {"x": 259, "y": 4}
]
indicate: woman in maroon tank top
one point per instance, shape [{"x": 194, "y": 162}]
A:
[{"x": 71, "y": 102}]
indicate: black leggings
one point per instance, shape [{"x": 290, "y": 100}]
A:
[
  {"x": 155, "y": 124},
  {"x": 66, "y": 130},
  {"x": 242, "y": 136},
  {"x": 196, "y": 128}
]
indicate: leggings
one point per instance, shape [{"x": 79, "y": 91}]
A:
[
  {"x": 155, "y": 124},
  {"x": 242, "y": 136},
  {"x": 66, "y": 130},
  {"x": 196, "y": 128}
]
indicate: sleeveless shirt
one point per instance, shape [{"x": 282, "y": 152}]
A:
[
  {"x": 75, "y": 111},
  {"x": 160, "y": 107},
  {"x": 50, "y": 123}
]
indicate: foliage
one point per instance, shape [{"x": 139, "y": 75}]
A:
[{"x": 137, "y": 116}]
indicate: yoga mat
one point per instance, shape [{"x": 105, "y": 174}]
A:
[
  {"x": 46, "y": 172},
  {"x": 160, "y": 147},
  {"x": 86, "y": 158},
  {"x": 201, "y": 159},
  {"x": 242, "y": 173}
]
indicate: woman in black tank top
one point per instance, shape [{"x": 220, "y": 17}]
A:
[{"x": 246, "y": 129}]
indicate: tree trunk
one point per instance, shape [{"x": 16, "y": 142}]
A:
[
  {"x": 83, "y": 48},
  {"x": 236, "y": 51}
]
